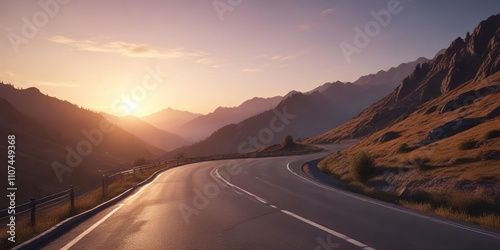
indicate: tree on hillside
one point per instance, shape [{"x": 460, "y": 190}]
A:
[
  {"x": 140, "y": 161},
  {"x": 287, "y": 141},
  {"x": 179, "y": 156}
]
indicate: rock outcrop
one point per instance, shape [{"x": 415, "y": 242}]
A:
[{"x": 471, "y": 59}]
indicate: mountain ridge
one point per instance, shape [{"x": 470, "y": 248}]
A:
[
  {"x": 147, "y": 132},
  {"x": 50, "y": 131},
  {"x": 463, "y": 60},
  {"x": 169, "y": 119},
  {"x": 202, "y": 126},
  {"x": 332, "y": 103}
]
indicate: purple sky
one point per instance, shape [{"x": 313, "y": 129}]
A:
[{"x": 94, "y": 52}]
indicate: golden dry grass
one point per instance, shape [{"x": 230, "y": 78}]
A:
[
  {"x": 443, "y": 167},
  {"x": 490, "y": 221},
  {"x": 294, "y": 149}
]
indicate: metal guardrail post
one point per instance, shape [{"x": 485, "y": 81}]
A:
[
  {"x": 72, "y": 197},
  {"x": 33, "y": 211}
]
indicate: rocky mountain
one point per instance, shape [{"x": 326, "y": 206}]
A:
[
  {"x": 169, "y": 119},
  {"x": 59, "y": 144},
  {"x": 149, "y": 133},
  {"x": 438, "y": 133},
  {"x": 393, "y": 76},
  {"x": 313, "y": 112},
  {"x": 449, "y": 146},
  {"x": 201, "y": 127},
  {"x": 471, "y": 59}
]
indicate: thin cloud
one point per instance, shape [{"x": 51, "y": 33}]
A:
[
  {"x": 328, "y": 11},
  {"x": 208, "y": 61},
  {"x": 305, "y": 26},
  {"x": 251, "y": 70},
  {"x": 126, "y": 48},
  {"x": 56, "y": 84},
  {"x": 260, "y": 56},
  {"x": 12, "y": 74},
  {"x": 283, "y": 58}
]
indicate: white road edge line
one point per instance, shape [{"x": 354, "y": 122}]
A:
[
  {"x": 332, "y": 232},
  {"x": 311, "y": 223},
  {"x": 79, "y": 237},
  {"x": 75, "y": 240},
  {"x": 395, "y": 208}
]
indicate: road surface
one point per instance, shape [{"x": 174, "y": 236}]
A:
[{"x": 261, "y": 204}]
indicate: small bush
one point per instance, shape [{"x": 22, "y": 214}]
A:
[
  {"x": 140, "y": 161},
  {"x": 488, "y": 155},
  {"x": 362, "y": 166},
  {"x": 287, "y": 141},
  {"x": 419, "y": 196},
  {"x": 403, "y": 148},
  {"x": 460, "y": 160},
  {"x": 179, "y": 156},
  {"x": 420, "y": 163},
  {"x": 492, "y": 134},
  {"x": 468, "y": 144},
  {"x": 469, "y": 204}
]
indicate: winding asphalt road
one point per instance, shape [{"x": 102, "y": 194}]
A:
[{"x": 262, "y": 204}]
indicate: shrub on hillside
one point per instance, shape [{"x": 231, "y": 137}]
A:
[
  {"x": 403, "y": 148},
  {"x": 140, "y": 161},
  {"x": 468, "y": 144},
  {"x": 470, "y": 204},
  {"x": 421, "y": 163},
  {"x": 362, "y": 166},
  {"x": 492, "y": 134},
  {"x": 179, "y": 156},
  {"x": 488, "y": 155},
  {"x": 287, "y": 141}
]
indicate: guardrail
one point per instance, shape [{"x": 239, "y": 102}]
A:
[
  {"x": 47, "y": 201},
  {"x": 108, "y": 179},
  {"x": 53, "y": 199}
]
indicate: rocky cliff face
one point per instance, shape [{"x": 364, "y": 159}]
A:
[{"x": 473, "y": 58}]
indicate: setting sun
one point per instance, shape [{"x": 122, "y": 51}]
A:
[{"x": 250, "y": 124}]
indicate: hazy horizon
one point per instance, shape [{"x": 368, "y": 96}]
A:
[{"x": 93, "y": 53}]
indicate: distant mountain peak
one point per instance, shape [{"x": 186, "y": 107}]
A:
[
  {"x": 392, "y": 76},
  {"x": 464, "y": 61},
  {"x": 291, "y": 93},
  {"x": 202, "y": 126},
  {"x": 169, "y": 119}
]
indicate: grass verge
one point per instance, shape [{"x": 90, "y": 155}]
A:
[{"x": 458, "y": 207}]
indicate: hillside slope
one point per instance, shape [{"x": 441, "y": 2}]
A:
[
  {"x": 307, "y": 114},
  {"x": 473, "y": 58},
  {"x": 169, "y": 119},
  {"x": 439, "y": 131},
  {"x": 148, "y": 133},
  {"x": 201, "y": 127},
  {"x": 48, "y": 130},
  {"x": 451, "y": 152}
]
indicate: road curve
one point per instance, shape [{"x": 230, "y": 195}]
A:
[{"x": 261, "y": 204}]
